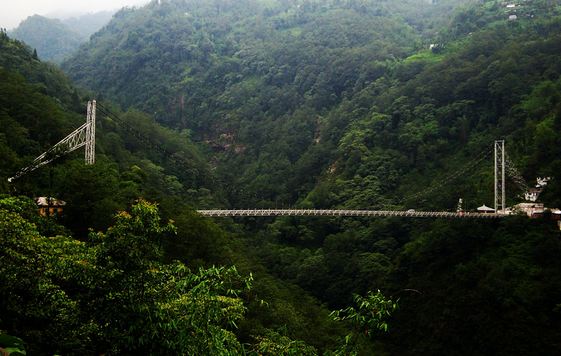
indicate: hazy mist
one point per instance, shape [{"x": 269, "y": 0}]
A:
[{"x": 13, "y": 12}]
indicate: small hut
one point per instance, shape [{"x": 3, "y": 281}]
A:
[
  {"x": 49, "y": 206},
  {"x": 485, "y": 209},
  {"x": 533, "y": 210}
]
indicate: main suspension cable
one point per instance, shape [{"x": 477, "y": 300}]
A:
[
  {"x": 173, "y": 156},
  {"x": 466, "y": 171}
]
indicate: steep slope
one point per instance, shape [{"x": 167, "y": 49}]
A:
[
  {"x": 135, "y": 158},
  {"x": 53, "y": 40},
  {"x": 53, "y": 109},
  {"x": 474, "y": 288},
  {"x": 302, "y": 106},
  {"x": 438, "y": 110},
  {"x": 88, "y": 24},
  {"x": 252, "y": 79}
]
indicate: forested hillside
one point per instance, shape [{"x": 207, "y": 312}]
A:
[
  {"x": 55, "y": 40},
  {"x": 53, "y": 109},
  {"x": 373, "y": 104},
  {"x": 88, "y": 24},
  {"x": 57, "y": 304},
  {"x": 254, "y": 80},
  {"x": 277, "y": 89}
]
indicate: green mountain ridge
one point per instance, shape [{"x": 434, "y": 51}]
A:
[
  {"x": 88, "y": 24},
  {"x": 53, "y": 109},
  {"x": 275, "y": 89},
  {"x": 195, "y": 66},
  {"x": 55, "y": 40},
  {"x": 49, "y": 304},
  {"x": 331, "y": 104}
]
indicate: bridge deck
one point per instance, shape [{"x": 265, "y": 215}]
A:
[{"x": 367, "y": 213}]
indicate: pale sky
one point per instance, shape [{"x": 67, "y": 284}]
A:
[{"x": 12, "y": 12}]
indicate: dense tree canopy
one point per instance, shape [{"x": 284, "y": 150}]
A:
[
  {"x": 329, "y": 104},
  {"x": 39, "y": 106},
  {"x": 53, "y": 40},
  {"x": 113, "y": 294}
]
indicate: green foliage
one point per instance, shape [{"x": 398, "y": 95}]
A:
[
  {"x": 30, "y": 296},
  {"x": 113, "y": 294},
  {"x": 11, "y": 345},
  {"x": 20, "y": 205},
  {"x": 275, "y": 344},
  {"x": 252, "y": 80},
  {"x": 370, "y": 317},
  {"x": 87, "y": 24},
  {"x": 286, "y": 94},
  {"x": 105, "y": 311},
  {"x": 471, "y": 273},
  {"x": 16, "y": 57},
  {"x": 38, "y": 107},
  {"x": 52, "y": 40},
  {"x": 309, "y": 103}
]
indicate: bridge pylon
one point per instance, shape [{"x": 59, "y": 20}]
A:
[
  {"x": 500, "y": 186},
  {"x": 82, "y": 136},
  {"x": 90, "y": 133}
]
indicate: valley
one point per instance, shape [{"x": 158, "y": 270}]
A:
[{"x": 287, "y": 177}]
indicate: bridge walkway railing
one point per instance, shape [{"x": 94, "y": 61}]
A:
[{"x": 343, "y": 212}]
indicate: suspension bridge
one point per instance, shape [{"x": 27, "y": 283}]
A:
[
  {"x": 342, "y": 212},
  {"x": 84, "y": 136}
]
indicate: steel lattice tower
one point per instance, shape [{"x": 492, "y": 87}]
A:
[
  {"x": 500, "y": 192},
  {"x": 90, "y": 133},
  {"x": 82, "y": 136}
]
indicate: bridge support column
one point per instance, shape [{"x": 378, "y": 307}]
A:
[
  {"x": 500, "y": 191},
  {"x": 90, "y": 133}
]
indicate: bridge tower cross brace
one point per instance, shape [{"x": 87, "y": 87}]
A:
[
  {"x": 82, "y": 136},
  {"x": 500, "y": 186},
  {"x": 90, "y": 133}
]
